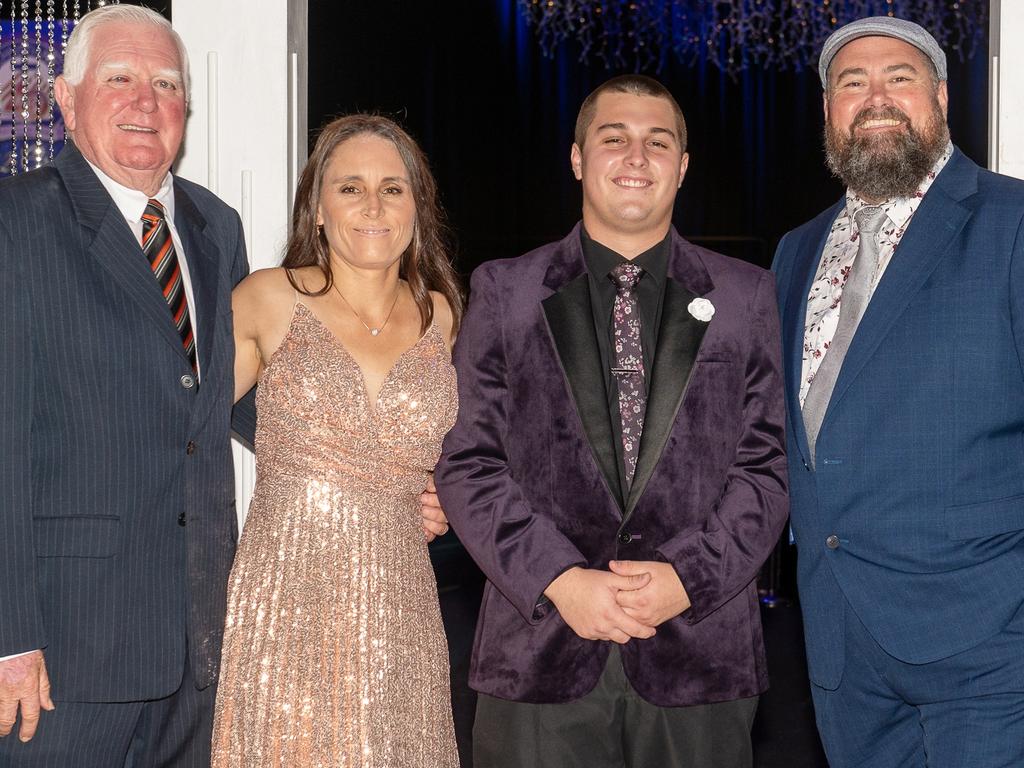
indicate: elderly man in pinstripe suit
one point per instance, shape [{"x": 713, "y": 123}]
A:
[
  {"x": 117, "y": 515},
  {"x": 117, "y": 519}
]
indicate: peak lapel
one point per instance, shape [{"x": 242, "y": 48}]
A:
[
  {"x": 679, "y": 340},
  {"x": 570, "y": 324}
]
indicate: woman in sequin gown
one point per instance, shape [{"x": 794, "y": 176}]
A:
[{"x": 334, "y": 652}]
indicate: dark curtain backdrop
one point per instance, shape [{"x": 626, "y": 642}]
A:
[{"x": 496, "y": 116}]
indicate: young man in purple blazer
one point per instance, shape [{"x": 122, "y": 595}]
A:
[{"x": 618, "y": 470}]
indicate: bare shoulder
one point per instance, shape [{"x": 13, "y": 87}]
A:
[
  {"x": 263, "y": 300},
  {"x": 443, "y": 317}
]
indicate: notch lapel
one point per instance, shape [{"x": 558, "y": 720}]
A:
[
  {"x": 679, "y": 340},
  {"x": 570, "y": 323},
  {"x": 936, "y": 223},
  {"x": 114, "y": 245},
  {"x": 202, "y": 256}
]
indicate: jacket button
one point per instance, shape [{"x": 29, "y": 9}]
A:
[
  {"x": 625, "y": 538},
  {"x": 188, "y": 381},
  {"x": 181, "y": 519},
  {"x": 190, "y": 448},
  {"x": 832, "y": 542}
]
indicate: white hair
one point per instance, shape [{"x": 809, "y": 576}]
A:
[{"x": 76, "y": 57}]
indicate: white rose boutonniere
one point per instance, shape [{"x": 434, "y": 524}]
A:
[{"x": 702, "y": 309}]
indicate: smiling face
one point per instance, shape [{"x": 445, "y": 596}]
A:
[
  {"x": 885, "y": 117},
  {"x": 127, "y": 115},
  {"x": 367, "y": 208},
  {"x": 631, "y": 167}
]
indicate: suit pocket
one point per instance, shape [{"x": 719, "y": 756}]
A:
[
  {"x": 96, "y": 536},
  {"x": 989, "y": 518}
]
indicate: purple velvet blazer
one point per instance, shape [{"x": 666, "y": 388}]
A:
[{"x": 526, "y": 473}]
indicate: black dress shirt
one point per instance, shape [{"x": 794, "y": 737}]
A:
[{"x": 650, "y": 294}]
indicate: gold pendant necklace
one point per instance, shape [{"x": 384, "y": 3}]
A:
[{"x": 371, "y": 331}]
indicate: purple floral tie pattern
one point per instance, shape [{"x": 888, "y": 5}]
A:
[{"x": 628, "y": 363}]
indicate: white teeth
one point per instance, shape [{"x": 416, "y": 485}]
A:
[
  {"x": 880, "y": 123},
  {"x": 634, "y": 183},
  {"x": 137, "y": 128}
]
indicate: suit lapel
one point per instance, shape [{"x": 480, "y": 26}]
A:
[
  {"x": 679, "y": 340},
  {"x": 114, "y": 245},
  {"x": 806, "y": 257},
  {"x": 202, "y": 256},
  {"x": 570, "y": 322},
  {"x": 936, "y": 223}
]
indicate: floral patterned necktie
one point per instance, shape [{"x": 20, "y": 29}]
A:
[{"x": 628, "y": 363}]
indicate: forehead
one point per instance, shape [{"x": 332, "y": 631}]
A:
[
  {"x": 366, "y": 154},
  {"x": 138, "y": 44},
  {"x": 638, "y": 112},
  {"x": 877, "y": 52}
]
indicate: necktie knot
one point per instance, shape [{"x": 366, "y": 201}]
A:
[
  {"x": 870, "y": 219},
  {"x": 626, "y": 276}
]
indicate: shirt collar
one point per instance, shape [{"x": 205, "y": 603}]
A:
[
  {"x": 131, "y": 202},
  {"x": 601, "y": 259},
  {"x": 900, "y": 209}
]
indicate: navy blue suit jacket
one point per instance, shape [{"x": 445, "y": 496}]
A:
[
  {"x": 117, "y": 516},
  {"x": 920, "y": 469}
]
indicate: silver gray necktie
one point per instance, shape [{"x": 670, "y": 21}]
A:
[{"x": 853, "y": 302}]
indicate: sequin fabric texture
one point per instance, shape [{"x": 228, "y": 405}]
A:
[
  {"x": 629, "y": 362},
  {"x": 334, "y": 652}
]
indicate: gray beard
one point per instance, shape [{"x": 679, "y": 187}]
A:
[{"x": 889, "y": 165}]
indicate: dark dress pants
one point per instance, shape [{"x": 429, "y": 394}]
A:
[
  {"x": 612, "y": 727},
  {"x": 964, "y": 711},
  {"x": 172, "y": 732}
]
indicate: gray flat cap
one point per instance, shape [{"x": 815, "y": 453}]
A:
[{"x": 883, "y": 26}]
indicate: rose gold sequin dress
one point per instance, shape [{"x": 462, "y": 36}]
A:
[{"x": 334, "y": 653}]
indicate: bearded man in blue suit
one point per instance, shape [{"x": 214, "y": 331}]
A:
[{"x": 902, "y": 312}]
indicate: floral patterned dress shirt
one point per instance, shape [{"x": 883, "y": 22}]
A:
[{"x": 837, "y": 259}]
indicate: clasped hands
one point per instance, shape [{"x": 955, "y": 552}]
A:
[{"x": 628, "y": 600}]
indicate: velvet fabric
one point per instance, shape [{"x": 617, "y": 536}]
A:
[{"x": 527, "y": 473}]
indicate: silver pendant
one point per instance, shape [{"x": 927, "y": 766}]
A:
[{"x": 374, "y": 331}]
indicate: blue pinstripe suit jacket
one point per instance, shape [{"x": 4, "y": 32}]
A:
[{"x": 106, "y": 450}]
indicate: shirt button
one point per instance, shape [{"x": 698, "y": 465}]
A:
[
  {"x": 625, "y": 538},
  {"x": 832, "y": 542},
  {"x": 190, "y": 448},
  {"x": 181, "y": 519},
  {"x": 188, "y": 381}
]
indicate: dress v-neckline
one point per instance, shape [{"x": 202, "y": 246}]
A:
[{"x": 372, "y": 403}]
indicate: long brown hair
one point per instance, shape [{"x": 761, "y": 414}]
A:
[{"x": 426, "y": 264}]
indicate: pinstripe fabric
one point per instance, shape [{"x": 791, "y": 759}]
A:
[
  {"x": 98, "y": 421},
  {"x": 173, "y": 732}
]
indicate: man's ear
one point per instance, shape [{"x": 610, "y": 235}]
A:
[
  {"x": 65, "y": 96},
  {"x": 684, "y": 163},
  {"x": 576, "y": 161}
]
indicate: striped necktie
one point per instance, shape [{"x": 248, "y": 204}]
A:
[{"x": 158, "y": 246}]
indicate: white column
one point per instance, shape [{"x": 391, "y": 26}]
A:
[
  {"x": 246, "y": 133},
  {"x": 1006, "y": 97}
]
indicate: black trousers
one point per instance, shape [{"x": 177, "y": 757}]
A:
[
  {"x": 172, "y": 732},
  {"x": 612, "y": 727}
]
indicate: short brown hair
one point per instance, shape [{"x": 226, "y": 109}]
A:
[
  {"x": 637, "y": 85},
  {"x": 426, "y": 264}
]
